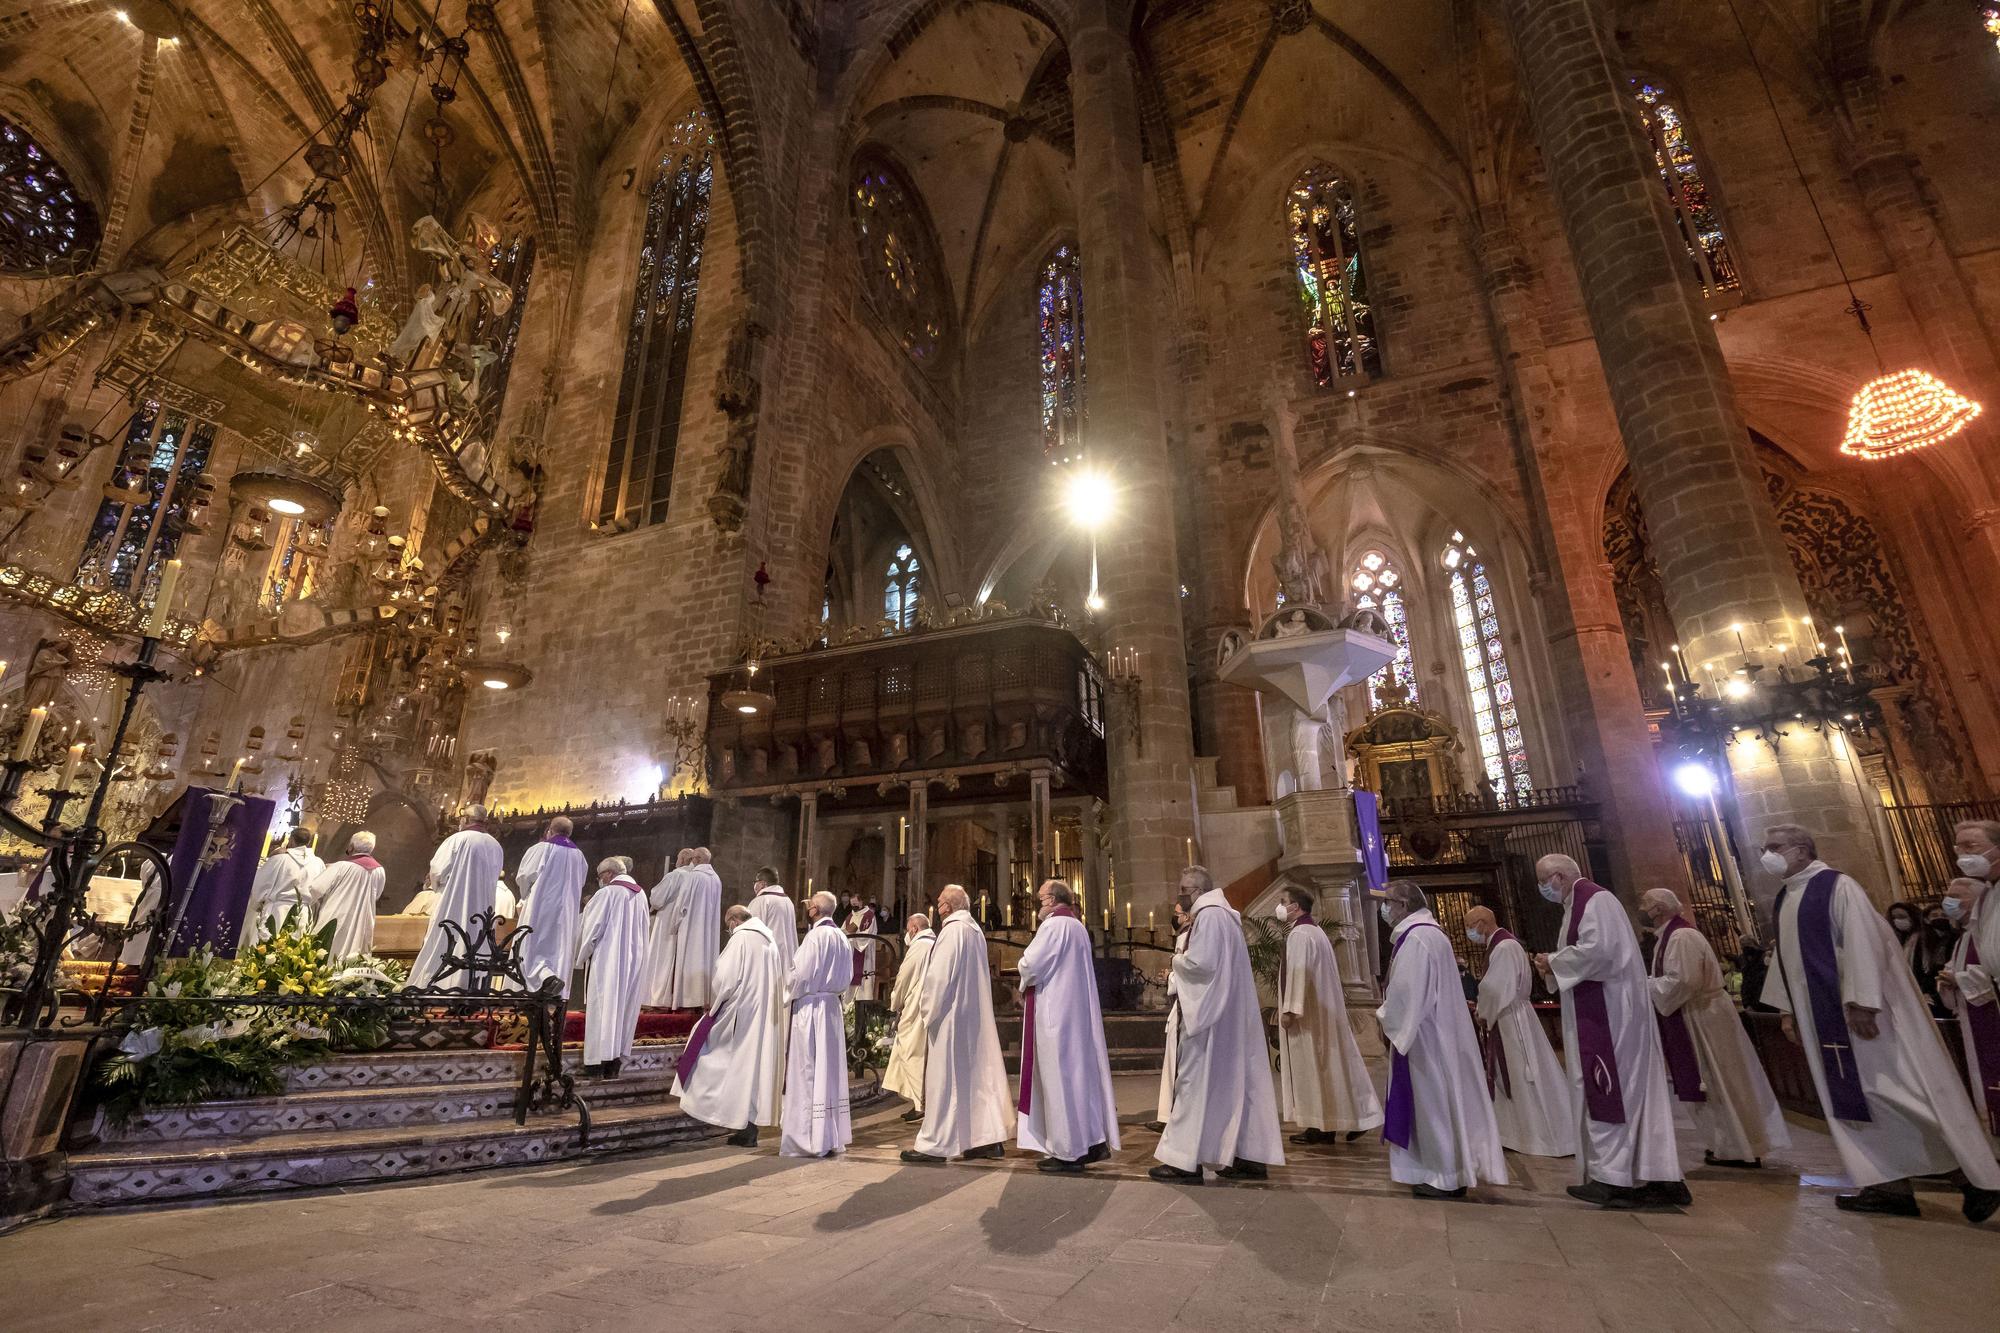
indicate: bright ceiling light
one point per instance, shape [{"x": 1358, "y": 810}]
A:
[
  {"x": 1090, "y": 498},
  {"x": 1737, "y": 688},
  {"x": 287, "y": 507},
  {"x": 1697, "y": 780}
]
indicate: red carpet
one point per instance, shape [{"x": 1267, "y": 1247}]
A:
[{"x": 654, "y": 1024}]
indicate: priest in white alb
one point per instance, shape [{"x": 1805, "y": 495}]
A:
[
  {"x": 861, "y": 928},
  {"x": 612, "y": 947},
  {"x": 464, "y": 870},
  {"x": 662, "y": 947},
  {"x": 344, "y": 896},
  {"x": 968, "y": 1111},
  {"x": 1965, "y": 986},
  {"x": 1532, "y": 1097},
  {"x": 1164, "y": 1100},
  {"x": 816, "y": 1121},
  {"x": 734, "y": 1062},
  {"x": 1323, "y": 1086},
  {"x": 770, "y": 904},
  {"x": 1438, "y": 1122},
  {"x": 687, "y": 922},
  {"x": 1067, "y": 1109},
  {"x": 1711, "y": 1065},
  {"x": 551, "y": 877},
  {"x": 1225, "y": 1111},
  {"x": 1894, "y": 1104},
  {"x": 905, "y": 1074},
  {"x": 1626, "y": 1152},
  {"x": 279, "y": 886}
]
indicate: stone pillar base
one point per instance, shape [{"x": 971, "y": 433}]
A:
[{"x": 39, "y": 1074}]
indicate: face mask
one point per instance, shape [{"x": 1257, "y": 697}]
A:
[
  {"x": 1386, "y": 917},
  {"x": 1550, "y": 891},
  {"x": 1774, "y": 862},
  {"x": 1475, "y": 936},
  {"x": 1953, "y": 908},
  {"x": 1281, "y": 913},
  {"x": 1976, "y": 865}
]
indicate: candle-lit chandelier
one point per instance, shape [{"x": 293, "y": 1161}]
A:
[{"x": 1893, "y": 414}]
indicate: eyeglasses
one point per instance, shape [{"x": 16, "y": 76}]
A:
[{"x": 1779, "y": 846}]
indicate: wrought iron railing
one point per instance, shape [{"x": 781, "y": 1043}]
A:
[{"x": 1921, "y": 838}]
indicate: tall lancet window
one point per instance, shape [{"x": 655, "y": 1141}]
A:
[
  {"x": 514, "y": 265},
  {"x": 1687, "y": 190},
  {"x": 131, "y": 541},
  {"x": 1502, "y": 751},
  {"x": 1378, "y": 587},
  {"x": 1333, "y": 284},
  {"x": 1061, "y": 307},
  {"x": 646, "y": 425},
  {"x": 902, "y": 589}
]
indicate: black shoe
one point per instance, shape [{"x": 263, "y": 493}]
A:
[
  {"x": 1620, "y": 1198},
  {"x": 1591, "y": 1191},
  {"x": 1242, "y": 1170},
  {"x": 1870, "y": 1199},
  {"x": 1737, "y": 1163},
  {"x": 612, "y": 1067},
  {"x": 1980, "y": 1204},
  {"x": 1097, "y": 1153},
  {"x": 913, "y": 1115},
  {"x": 1312, "y": 1137},
  {"x": 1157, "y": 1126},
  {"x": 1354, "y": 1134},
  {"x": 1173, "y": 1175},
  {"x": 1433, "y": 1192},
  {"x": 745, "y": 1137},
  {"x": 1673, "y": 1193},
  {"x": 1057, "y": 1166},
  {"x": 912, "y": 1155},
  {"x": 990, "y": 1151}
]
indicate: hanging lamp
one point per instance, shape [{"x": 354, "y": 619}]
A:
[{"x": 1897, "y": 411}]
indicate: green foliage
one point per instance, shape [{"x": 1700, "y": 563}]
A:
[
  {"x": 1266, "y": 937},
  {"x": 869, "y": 1036}
]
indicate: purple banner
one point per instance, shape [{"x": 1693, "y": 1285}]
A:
[
  {"x": 215, "y": 873},
  {"x": 1368, "y": 828}
]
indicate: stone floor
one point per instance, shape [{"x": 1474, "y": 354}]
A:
[{"x": 718, "y": 1239}]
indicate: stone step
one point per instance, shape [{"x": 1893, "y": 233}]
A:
[
  {"x": 221, "y": 1168},
  {"x": 389, "y": 1107},
  {"x": 431, "y": 1068}
]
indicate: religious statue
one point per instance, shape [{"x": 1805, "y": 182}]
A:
[
  {"x": 1293, "y": 626},
  {"x": 1228, "y": 645},
  {"x": 479, "y": 768},
  {"x": 446, "y": 311}
]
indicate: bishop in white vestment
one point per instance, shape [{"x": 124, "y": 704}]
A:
[
  {"x": 770, "y": 904},
  {"x": 612, "y": 946},
  {"x": 905, "y": 1074},
  {"x": 551, "y": 877},
  {"x": 344, "y": 894},
  {"x": 816, "y": 1122},
  {"x": 1067, "y": 1109},
  {"x": 1324, "y": 1088},
  {"x": 279, "y": 886},
  {"x": 734, "y": 1062},
  {"x": 1711, "y": 1065},
  {"x": 1532, "y": 1097},
  {"x": 662, "y": 945},
  {"x": 1894, "y": 1104},
  {"x": 967, "y": 1107},
  {"x": 1225, "y": 1111},
  {"x": 1965, "y": 986},
  {"x": 464, "y": 870},
  {"x": 1438, "y": 1122}
]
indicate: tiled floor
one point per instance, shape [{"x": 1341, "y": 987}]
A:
[{"x": 725, "y": 1240}]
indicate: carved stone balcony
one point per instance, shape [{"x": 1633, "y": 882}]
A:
[{"x": 981, "y": 704}]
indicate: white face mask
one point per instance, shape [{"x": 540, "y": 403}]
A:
[
  {"x": 1474, "y": 934},
  {"x": 1977, "y": 865},
  {"x": 1387, "y": 916},
  {"x": 1282, "y": 913},
  {"x": 1953, "y": 908},
  {"x": 1773, "y": 861},
  {"x": 1550, "y": 891}
]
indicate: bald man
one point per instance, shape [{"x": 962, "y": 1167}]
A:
[
  {"x": 1531, "y": 1093},
  {"x": 968, "y": 1111},
  {"x": 905, "y": 1074},
  {"x": 1715, "y": 1073}
]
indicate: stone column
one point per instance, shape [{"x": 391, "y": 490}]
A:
[
  {"x": 1151, "y": 762},
  {"x": 919, "y": 838},
  {"x": 1722, "y": 559}
]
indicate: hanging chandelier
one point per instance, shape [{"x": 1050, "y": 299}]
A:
[{"x": 1893, "y": 414}]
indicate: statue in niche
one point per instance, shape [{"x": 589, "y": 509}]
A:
[
  {"x": 1293, "y": 626},
  {"x": 446, "y": 310},
  {"x": 1228, "y": 645},
  {"x": 480, "y": 766}
]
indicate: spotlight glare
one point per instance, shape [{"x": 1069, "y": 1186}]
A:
[
  {"x": 1695, "y": 780},
  {"x": 1737, "y": 688},
  {"x": 1089, "y": 498}
]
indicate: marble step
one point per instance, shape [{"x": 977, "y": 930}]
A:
[
  {"x": 1122, "y": 1032},
  {"x": 222, "y": 1168},
  {"x": 429, "y": 1068},
  {"x": 387, "y": 1107}
]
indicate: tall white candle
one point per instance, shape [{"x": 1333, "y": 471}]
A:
[
  {"x": 70, "y": 765},
  {"x": 170, "y": 582},
  {"x": 31, "y": 731}
]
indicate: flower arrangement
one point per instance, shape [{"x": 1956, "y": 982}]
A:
[{"x": 869, "y": 1036}]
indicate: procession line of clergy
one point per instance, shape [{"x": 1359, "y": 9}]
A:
[
  {"x": 1895, "y": 1106},
  {"x": 686, "y": 928}
]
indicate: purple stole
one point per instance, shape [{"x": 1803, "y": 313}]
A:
[
  {"x": 1399, "y": 1113},
  {"x": 1596, "y": 1048},
  {"x": 560, "y": 841},
  {"x": 861, "y": 968},
  {"x": 697, "y": 1039},
  {"x": 1822, "y": 967},
  {"x": 1983, "y": 1022},
  {"x": 1497, "y": 1074},
  {"x": 365, "y": 862},
  {"x": 1676, "y": 1041},
  {"x": 1028, "y": 1029}
]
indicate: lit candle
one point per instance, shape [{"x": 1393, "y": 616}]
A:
[
  {"x": 1190, "y": 851},
  {"x": 1107, "y": 920},
  {"x": 1058, "y": 846},
  {"x": 1667, "y": 668},
  {"x": 235, "y": 771},
  {"x": 1681, "y": 657},
  {"x": 1840, "y": 632},
  {"x": 982, "y": 907},
  {"x": 170, "y": 582},
  {"x": 1149, "y": 918},
  {"x": 1007, "y": 912},
  {"x": 1128, "y": 914},
  {"x": 31, "y": 731},
  {"x": 71, "y": 764},
  {"x": 902, "y": 835}
]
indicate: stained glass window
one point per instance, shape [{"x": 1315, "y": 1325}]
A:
[
  {"x": 1333, "y": 285},
  {"x": 646, "y": 426},
  {"x": 46, "y": 225},
  {"x": 294, "y": 571},
  {"x": 1687, "y": 192},
  {"x": 514, "y": 265},
  {"x": 1503, "y": 752},
  {"x": 901, "y": 590},
  {"x": 1378, "y": 587},
  {"x": 1991, "y": 18},
  {"x": 1061, "y": 307},
  {"x": 129, "y": 543},
  {"x": 899, "y": 260}
]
